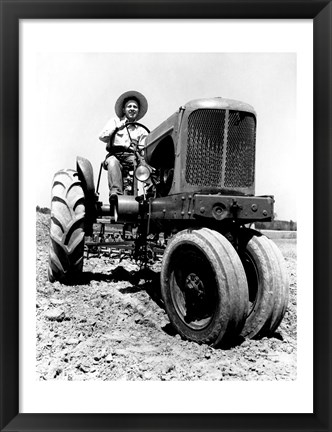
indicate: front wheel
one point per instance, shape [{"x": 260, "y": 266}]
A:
[
  {"x": 203, "y": 285},
  {"x": 267, "y": 281},
  {"x": 67, "y": 227}
]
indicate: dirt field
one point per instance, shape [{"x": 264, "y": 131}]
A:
[{"x": 113, "y": 327}]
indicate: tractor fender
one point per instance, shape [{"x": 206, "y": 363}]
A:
[{"x": 85, "y": 174}]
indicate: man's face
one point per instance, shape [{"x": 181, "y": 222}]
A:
[{"x": 131, "y": 110}]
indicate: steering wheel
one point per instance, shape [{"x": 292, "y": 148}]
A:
[{"x": 138, "y": 124}]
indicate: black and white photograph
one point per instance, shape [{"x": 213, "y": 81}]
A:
[{"x": 167, "y": 223}]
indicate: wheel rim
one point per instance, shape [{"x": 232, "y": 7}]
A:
[
  {"x": 194, "y": 287},
  {"x": 252, "y": 275}
]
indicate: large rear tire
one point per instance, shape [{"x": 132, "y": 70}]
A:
[
  {"x": 203, "y": 286},
  {"x": 67, "y": 227},
  {"x": 267, "y": 282}
]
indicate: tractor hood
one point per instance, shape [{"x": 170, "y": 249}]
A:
[{"x": 219, "y": 103}]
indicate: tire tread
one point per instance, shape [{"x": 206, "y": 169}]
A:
[{"x": 67, "y": 226}]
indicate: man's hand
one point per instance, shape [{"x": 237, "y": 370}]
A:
[
  {"x": 121, "y": 124},
  {"x": 133, "y": 145}
]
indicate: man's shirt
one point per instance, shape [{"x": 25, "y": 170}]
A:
[{"x": 118, "y": 141}]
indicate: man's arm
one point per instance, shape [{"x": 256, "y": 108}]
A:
[
  {"x": 111, "y": 126},
  {"x": 141, "y": 139}
]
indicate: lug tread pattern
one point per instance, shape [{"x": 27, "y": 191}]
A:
[{"x": 67, "y": 226}]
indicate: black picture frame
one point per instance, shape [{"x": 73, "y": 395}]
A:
[{"x": 11, "y": 12}]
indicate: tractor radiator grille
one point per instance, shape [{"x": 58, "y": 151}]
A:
[
  {"x": 205, "y": 147},
  {"x": 212, "y": 163},
  {"x": 240, "y": 155}
]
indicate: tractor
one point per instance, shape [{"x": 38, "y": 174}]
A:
[{"x": 220, "y": 279}]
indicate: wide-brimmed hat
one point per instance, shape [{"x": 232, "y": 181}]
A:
[{"x": 128, "y": 95}]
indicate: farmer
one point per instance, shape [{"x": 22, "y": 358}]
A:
[{"x": 120, "y": 139}]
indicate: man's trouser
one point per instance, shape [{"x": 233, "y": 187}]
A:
[{"x": 118, "y": 165}]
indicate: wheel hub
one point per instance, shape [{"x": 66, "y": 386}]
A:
[{"x": 193, "y": 282}]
